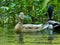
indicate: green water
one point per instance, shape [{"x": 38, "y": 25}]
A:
[{"x": 9, "y": 37}]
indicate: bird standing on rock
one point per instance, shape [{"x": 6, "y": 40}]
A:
[{"x": 50, "y": 12}]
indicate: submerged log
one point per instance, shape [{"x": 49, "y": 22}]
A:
[
  {"x": 20, "y": 27},
  {"x": 32, "y": 27},
  {"x": 28, "y": 28}
]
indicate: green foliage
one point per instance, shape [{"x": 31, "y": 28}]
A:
[
  {"x": 35, "y": 9},
  {"x": 27, "y": 19}
]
